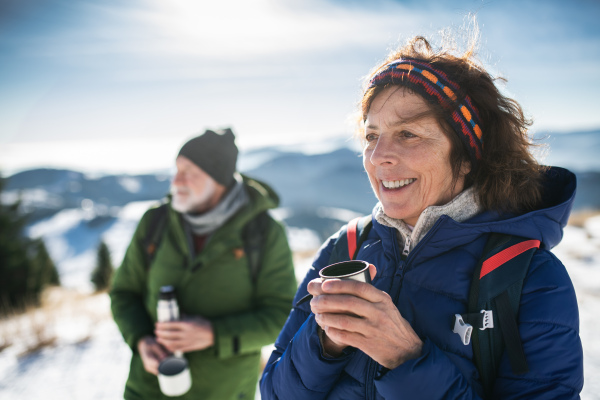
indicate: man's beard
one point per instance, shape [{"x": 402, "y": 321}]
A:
[{"x": 185, "y": 200}]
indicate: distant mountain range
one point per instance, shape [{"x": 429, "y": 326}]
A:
[
  {"x": 319, "y": 192},
  {"x": 305, "y": 182},
  {"x": 577, "y": 151}
]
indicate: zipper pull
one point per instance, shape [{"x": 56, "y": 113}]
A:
[{"x": 406, "y": 247}]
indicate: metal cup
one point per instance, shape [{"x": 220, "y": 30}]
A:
[
  {"x": 354, "y": 269},
  {"x": 174, "y": 376}
]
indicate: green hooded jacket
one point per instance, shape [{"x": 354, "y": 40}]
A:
[{"x": 216, "y": 284}]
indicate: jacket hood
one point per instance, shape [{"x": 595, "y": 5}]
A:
[
  {"x": 544, "y": 224},
  {"x": 262, "y": 196}
]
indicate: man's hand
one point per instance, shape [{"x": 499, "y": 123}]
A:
[
  {"x": 151, "y": 353},
  {"x": 189, "y": 334}
]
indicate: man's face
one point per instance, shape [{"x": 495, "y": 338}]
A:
[{"x": 193, "y": 190}]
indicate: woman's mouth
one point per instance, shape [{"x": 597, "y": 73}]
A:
[{"x": 397, "y": 184}]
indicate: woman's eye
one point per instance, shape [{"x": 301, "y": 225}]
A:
[
  {"x": 369, "y": 137},
  {"x": 407, "y": 134}
]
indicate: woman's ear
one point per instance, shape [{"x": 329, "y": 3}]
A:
[{"x": 465, "y": 168}]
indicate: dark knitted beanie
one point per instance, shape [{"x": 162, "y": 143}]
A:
[{"x": 215, "y": 153}]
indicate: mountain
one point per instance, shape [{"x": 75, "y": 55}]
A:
[
  {"x": 319, "y": 191},
  {"x": 335, "y": 179},
  {"x": 73, "y": 211},
  {"x": 588, "y": 191},
  {"x": 44, "y": 192},
  {"x": 305, "y": 183},
  {"x": 577, "y": 151}
]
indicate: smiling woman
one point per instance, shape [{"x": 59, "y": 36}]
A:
[{"x": 449, "y": 159}]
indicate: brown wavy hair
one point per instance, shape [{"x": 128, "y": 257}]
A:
[{"x": 507, "y": 178}]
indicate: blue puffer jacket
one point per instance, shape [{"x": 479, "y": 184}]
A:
[{"x": 429, "y": 287}]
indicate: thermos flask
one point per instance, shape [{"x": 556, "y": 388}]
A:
[{"x": 174, "y": 375}]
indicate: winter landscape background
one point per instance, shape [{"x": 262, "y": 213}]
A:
[
  {"x": 320, "y": 190},
  {"x": 106, "y": 91}
]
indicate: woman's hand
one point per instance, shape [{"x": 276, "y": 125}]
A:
[
  {"x": 151, "y": 353},
  {"x": 189, "y": 334},
  {"x": 357, "y": 314}
]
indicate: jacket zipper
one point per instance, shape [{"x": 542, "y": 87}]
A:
[
  {"x": 407, "y": 243},
  {"x": 372, "y": 365},
  {"x": 371, "y": 369},
  {"x": 406, "y": 252}
]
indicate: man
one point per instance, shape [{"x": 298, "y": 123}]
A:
[{"x": 228, "y": 312}]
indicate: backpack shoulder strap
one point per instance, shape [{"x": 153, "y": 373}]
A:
[
  {"x": 350, "y": 239},
  {"x": 494, "y": 300},
  {"x": 253, "y": 236},
  {"x": 155, "y": 232}
]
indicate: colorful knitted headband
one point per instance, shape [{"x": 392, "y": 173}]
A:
[{"x": 435, "y": 86}]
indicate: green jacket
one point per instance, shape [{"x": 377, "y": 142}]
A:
[{"x": 215, "y": 284}]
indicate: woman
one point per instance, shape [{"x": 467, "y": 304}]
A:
[{"x": 449, "y": 160}]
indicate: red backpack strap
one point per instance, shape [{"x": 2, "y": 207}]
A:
[
  {"x": 507, "y": 254},
  {"x": 351, "y": 235}
]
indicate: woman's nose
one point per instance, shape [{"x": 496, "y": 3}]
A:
[{"x": 383, "y": 152}]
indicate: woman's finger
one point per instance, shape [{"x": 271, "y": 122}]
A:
[
  {"x": 355, "y": 288},
  {"x": 314, "y": 287},
  {"x": 372, "y": 271},
  {"x": 339, "y": 304},
  {"x": 348, "y": 322}
]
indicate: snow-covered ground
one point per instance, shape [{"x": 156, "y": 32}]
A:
[{"x": 90, "y": 361}]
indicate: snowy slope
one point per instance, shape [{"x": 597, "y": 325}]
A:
[
  {"x": 96, "y": 369},
  {"x": 72, "y": 236}
]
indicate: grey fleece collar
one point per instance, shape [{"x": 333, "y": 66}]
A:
[
  {"x": 210, "y": 221},
  {"x": 461, "y": 208}
]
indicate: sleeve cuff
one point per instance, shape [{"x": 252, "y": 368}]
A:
[{"x": 224, "y": 344}]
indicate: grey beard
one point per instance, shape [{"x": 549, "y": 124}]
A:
[{"x": 210, "y": 221}]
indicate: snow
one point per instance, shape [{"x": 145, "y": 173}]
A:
[
  {"x": 73, "y": 235},
  {"x": 340, "y": 214},
  {"x": 592, "y": 226},
  {"x": 303, "y": 239},
  {"x": 131, "y": 184},
  {"x": 75, "y": 367},
  {"x": 31, "y": 197},
  {"x": 580, "y": 253},
  {"x": 59, "y": 223},
  {"x": 89, "y": 359}
]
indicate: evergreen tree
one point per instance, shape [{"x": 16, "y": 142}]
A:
[
  {"x": 102, "y": 274},
  {"x": 25, "y": 266},
  {"x": 43, "y": 272},
  {"x": 15, "y": 262}
]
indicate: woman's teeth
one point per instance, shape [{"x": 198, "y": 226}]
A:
[{"x": 397, "y": 184}]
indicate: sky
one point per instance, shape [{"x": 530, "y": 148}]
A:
[{"x": 119, "y": 85}]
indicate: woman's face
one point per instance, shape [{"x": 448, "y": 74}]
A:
[{"x": 408, "y": 162}]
